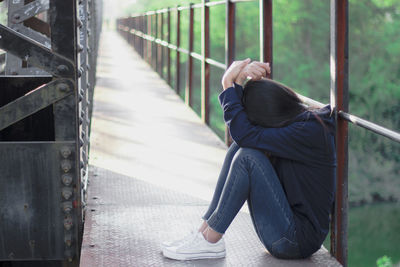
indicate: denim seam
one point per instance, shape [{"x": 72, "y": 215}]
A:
[
  {"x": 219, "y": 211},
  {"x": 274, "y": 194}
]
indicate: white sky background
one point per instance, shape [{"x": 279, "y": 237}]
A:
[{"x": 113, "y": 9}]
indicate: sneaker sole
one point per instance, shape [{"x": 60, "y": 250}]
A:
[{"x": 193, "y": 256}]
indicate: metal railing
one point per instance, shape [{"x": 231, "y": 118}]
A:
[
  {"x": 47, "y": 86},
  {"x": 149, "y": 42}
]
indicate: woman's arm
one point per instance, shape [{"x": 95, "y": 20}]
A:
[
  {"x": 238, "y": 72},
  {"x": 298, "y": 141}
]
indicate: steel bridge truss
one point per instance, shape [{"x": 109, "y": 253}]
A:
[{"x": 46, "y": 91}]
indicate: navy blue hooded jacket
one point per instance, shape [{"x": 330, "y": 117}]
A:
[{"x": 304, "y": 158}]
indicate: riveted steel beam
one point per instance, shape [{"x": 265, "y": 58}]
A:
[
  {"x": 35, "y": 53},
  {"x": 34, "y": 101},
  {"x": 29, "y": 10}
]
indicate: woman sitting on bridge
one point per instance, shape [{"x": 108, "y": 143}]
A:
[{"x": 282, "y": 161}]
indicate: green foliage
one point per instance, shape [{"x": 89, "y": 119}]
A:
[
  {"x": 301, "y": 60},
  {"x": 3, "y": 14},
  {"x": 384, "y": 261},
  {"x": 373, "y": 231}
]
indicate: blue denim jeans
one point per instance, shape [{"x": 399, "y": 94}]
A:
[{"x": 247, "y": 174}]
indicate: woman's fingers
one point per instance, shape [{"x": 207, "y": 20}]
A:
[
  {"x": 255, "y": 71},
  {"x": 238, "y": 71},
  {"x": 232, "y": 73},
  {"x": 263, "y": 65},
  {"x": 256, "y": 74}
]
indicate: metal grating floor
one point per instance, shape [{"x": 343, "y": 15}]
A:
[
  {"x": 128, "y": 218},
  {"x": 153, "y": 170}
]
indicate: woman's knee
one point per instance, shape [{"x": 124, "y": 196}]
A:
[{"x": 248, "y": 153}]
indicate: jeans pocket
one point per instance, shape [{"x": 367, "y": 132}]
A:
[{"x": 285, "y": 249}]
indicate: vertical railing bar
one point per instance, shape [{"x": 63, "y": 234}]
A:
[
  {"x": 128, "y": 35},
  {"x": 169, "y": 50},
  {"x": 266, "y": 33},
  {"x": 134, "y": 35},
  {"x": 189, "y": 66},
  {"x": 159, "y": 46},
  {"x": 229, "y": 47},
  {"x": 205, "y": 67},
  {"x": 149, "y": 43},
  {"x": 162, "y": 48},
  {"x": 139, "y": 27},
  {"x": 339, "y": 100},
  {"x": 144, "y": 40},
  {"x": 144, "y": 19},
  {"x": 178, "y": 44},
  {"x": 137, "y": 20},
  {"x": 142, "y": 29},
  {"x": 155, "y": 45},
  {"x": 333, "y": 104}
]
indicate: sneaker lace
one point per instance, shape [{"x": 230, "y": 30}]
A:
[{"x": 189, "y": 238}]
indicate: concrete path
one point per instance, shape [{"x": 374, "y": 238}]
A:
[{"x": 154, "y": 166}]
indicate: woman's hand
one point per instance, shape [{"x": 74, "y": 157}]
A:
[
  {"x": 239, "y": 71},
  {"x": 255, "y": 71},
  {"x": 232, "y": 72}
]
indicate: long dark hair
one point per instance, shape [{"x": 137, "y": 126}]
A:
[{"x": 271, "y": 104}]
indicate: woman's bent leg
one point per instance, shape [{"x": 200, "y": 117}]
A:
[
  {"x": 252, "y": 177},
  {"x": 270, "y": 211},
  {"x": 221, "y": 179}
]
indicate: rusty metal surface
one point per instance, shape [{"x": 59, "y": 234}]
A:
[
  {"x": 178, "y": 54},
  {"x": 36, "y": 100},
  {"x": 339, "y": 99},
  {"x": 230, "y": 37},
  {"x": 148, "y": 185},
  {"x": 31, "y": 228},
  {"x": 266, "y": 33},
  {"x": 205, "y": 66},
  {"x": 189, "y": 64}
]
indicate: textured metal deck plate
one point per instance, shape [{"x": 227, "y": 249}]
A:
[{"x": 127, "y": 219}]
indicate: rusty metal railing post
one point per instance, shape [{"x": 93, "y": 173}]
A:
[
  {"x": 229, "y": 47},
  {"x": 134, "y": 39},
  {"x": 149, "y": 43},
  {"x": 169, "y": 50},
  {"x": 144, "y": 29},
  {"x": 129, "y": 36},
  {"x": 339, "y": 100},
  {"x": 162, "y": 47},
  {"x": 266, "y": 33},
  {"x": 189, "y": 66},
  {"x": 205, "y": 67},
  {"x": 178, "y": 43},
  {"x": 160, "y": 36},
  {"x": 134, "y": 44},
  {"x": 137, "y": 38},
  {"x": 142, "y": 39},
  {"x": 155, "y": 45}
]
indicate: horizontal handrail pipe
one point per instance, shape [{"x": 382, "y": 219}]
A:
[
  {"x": 395, "y": 136},
  {"x": 199, "y": 5},
  {"x": 373, "y": 127}
]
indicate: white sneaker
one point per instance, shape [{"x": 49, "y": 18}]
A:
[
  {"x": 179, "y": 241},
  {"x": 195, "y": 248}
]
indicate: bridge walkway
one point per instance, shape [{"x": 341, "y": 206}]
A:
[{"x": 153, "y": 170}]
